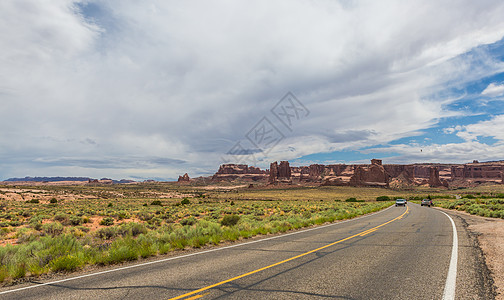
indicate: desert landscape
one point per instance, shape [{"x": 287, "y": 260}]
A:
[{"x": 50, "y": 228}]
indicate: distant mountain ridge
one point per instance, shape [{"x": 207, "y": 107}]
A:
[{"x": 59, "y": 178}]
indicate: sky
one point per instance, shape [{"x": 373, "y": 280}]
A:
[{"x": 154, "y": 89}]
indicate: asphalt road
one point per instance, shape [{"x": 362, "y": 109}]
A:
[{"x": 398, "y": 253}]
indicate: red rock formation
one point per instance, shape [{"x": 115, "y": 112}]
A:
[
  {"x": 284, "y": 171},
  {"x": 231, "y": 172},
  {"x": 273, "y": 175},
  {"x": 280, "y": 173},
  {"x": 315, "y": 172},
  {"x": 434, "y": 180},
  {"x": 376, "y": 162},
  {"x": 374, "y": 175},
  {"x": 184, "y": 178}
]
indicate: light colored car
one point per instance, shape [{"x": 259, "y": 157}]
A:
[
  {"x": 426, "y": 202},
  {"x": 400, "y": 202}
]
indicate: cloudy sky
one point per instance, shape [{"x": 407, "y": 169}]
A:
[{"x": 154, "y": 89}]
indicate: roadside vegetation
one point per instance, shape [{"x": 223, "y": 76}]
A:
[
  {"x": 485, "y": 207},
  {"x": 46, "y": 230}
]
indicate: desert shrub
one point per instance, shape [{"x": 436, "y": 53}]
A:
[
  {"x": 75, "y": 220},
  {"x": 52, "y": 229},
  {"x": 306, "y": 214},
  {"x": 185, "y": 201},
  {"x": 469, "y": 196},
  {"x": 230, "y": 220},
  {"x": 156, "y": 202},
  {"x": 4, "y": 274},
  {"x": 123, "y": 215},
  {"x": 18, "y": 270},
  {"x": 132, "y": 228},
  {"x": 155, "y": 222},
  {"x": 35, "y": 223},
  {"x": 62, "y": 218},
  {"x": 122, "y": 250},
  {"x": 66, "y": 263},
  {"x": 383, "y": 198},
  {"x": 107, "y": 221},
  {"x": 110, "y": 204},
  {"x": 15, "y": 223},
  {"x": 34, "y": 201},
  {"x": 188, "y": 221},
  {"x": 53, "y": 200},
  {"x": 107, "y": 233},
  {"x": 145, "y": 216},
  {"x": 353, "y": 200}
]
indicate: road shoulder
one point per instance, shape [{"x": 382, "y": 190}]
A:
[{"x": 489, "y": 237}]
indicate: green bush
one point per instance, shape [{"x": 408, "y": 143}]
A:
[
  {"x": 53, "y": 200},
  {"x": 4, "y": 274},
  {"x": 122, "y": 250},
  {"x": 230, "y": 220},
  {"x": 132, "y": 229},
  {"x": 383, "y": 198},
  {"x": 52, "y": 229},
  {"x": 75, "y": 220},
  {"x": 107, "y": 233},
  {"x": 156, "y": 202},
  {"x": 188, "y": 221},
  {"x": 69, "y": 262},
  {"x": 62, "y": 218},
  {"x": 34, "y": 201},
  {"x": 353, "y": 200},
  {"x": 107, "y": 221},
  {"x": 36, "y": 223},
  {"x": 185, "y": 201}
]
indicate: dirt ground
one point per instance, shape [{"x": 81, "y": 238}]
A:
[{"x": 490, "y": 232}]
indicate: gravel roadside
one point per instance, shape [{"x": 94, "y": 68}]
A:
[{"x": 490, "y": 234}]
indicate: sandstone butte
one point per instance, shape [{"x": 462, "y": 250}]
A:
[{"x": 374, "y": 174}]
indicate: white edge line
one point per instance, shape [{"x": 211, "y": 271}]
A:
[
  {"x": 191, "y": 254},
  {"x": 451, "y": 278}
]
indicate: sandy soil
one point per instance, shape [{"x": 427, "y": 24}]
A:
[
  {"x": 491, "y": 240},
  {"x": 490, "y": 232}
]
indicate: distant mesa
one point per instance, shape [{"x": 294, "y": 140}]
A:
[
  {"x": 57, "y": 179},
  {"x": 48, "y": 179},
  {"x": 375, "y": 174},
  {"x": 233, "y": 172}
]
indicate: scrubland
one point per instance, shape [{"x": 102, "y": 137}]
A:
[{"x": 51, "y": 229}]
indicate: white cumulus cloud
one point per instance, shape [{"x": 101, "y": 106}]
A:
[{"x": 493, "y": 90}]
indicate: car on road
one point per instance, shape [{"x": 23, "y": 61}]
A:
[
  {"x": 426, "y": 202},
  {"x": 400, "y": 202}
]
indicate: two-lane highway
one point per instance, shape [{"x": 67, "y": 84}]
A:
[{"x": 398, "y": 253}]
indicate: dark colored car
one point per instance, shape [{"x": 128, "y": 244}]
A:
[
  {"x": 426, "y": 202},
  {"x": 400, "y": 202}
]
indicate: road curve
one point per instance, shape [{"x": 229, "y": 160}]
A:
[{"x": 398, "y": 253}]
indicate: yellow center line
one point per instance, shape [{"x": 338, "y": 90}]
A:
[
  {"x": 198, "y": 296},
  {"x": 365, "y": 232}
]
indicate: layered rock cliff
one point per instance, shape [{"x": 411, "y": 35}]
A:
[{"x": 374, "y": 174}]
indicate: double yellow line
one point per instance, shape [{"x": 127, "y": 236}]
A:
[{"x": 366, "y": 232}]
